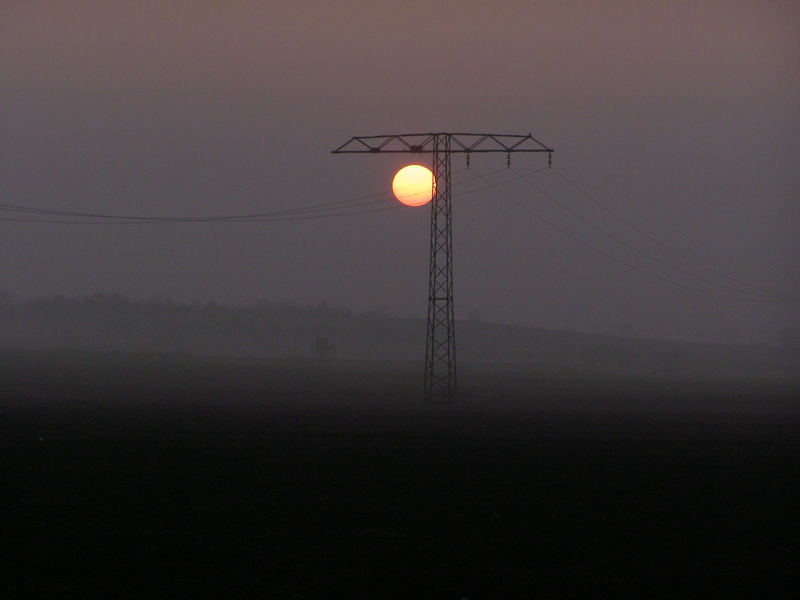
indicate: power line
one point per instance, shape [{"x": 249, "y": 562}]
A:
[
  {"x": 326, "y": 206},
  {"x": 366, "y": 204},
  {"x": 116, "y": 219},
  {"x": 492, "y": 185},
  {"x": 638, "y": 250},
  {"x": 617, "y": 259},
  {"x": 339, "y": 208},
  {"x": 174, "y": 221},
  {"x": 655, "y": 240}
]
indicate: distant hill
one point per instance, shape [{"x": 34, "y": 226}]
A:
[{"x": 114, "y": 323}]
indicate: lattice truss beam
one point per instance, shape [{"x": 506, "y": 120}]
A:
[{"x": 461, "y": 143}]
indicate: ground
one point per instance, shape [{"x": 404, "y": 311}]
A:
[{"x": 165, "y": 477}]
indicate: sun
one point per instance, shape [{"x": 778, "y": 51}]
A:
[{"x": 413, "y": 185}]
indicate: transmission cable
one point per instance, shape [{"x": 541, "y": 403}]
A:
[
  {"x": 638, "y": 250},
  {"x": 166, "y": 222},
  {"x": 311, "y": 212},
  {"x": 615, "y": 258},
  {"x": 114, "y": 219},
  {"x": 765, "y": 291},
  {"x": 326, "y": 206}
]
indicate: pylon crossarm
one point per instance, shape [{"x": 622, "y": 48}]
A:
[{"x": 423, "y": 143}]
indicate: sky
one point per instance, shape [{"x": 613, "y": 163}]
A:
[{"x": 682, "y": 117}]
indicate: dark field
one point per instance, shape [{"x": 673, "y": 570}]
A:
[{"x": 140, "y": 476}]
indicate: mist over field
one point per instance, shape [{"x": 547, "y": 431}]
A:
[
  {"x": 113, "y": 323},
  {"x": 213, "y": 330},
  {"x": 205, "y": 450}
]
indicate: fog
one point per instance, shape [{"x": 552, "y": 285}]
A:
[
  {"x": 195, "y": 403},
  {"x": 681, "y": 118},
  {"x": 323, "y": 339}
]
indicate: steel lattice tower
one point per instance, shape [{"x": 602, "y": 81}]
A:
[
  {"x": 440, "y": 349},
  {"x": 440, "y": 346}
]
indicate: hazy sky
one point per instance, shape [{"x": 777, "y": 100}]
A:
[{"x": 681, "y": 116}]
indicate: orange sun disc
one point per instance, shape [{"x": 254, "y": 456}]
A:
[{"x": 413, "y": 185}]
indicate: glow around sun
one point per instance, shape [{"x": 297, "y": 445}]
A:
[{"x": 413, "y": 185}]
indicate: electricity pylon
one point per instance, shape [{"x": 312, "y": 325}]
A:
[{"x": 440, "y": 350}]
